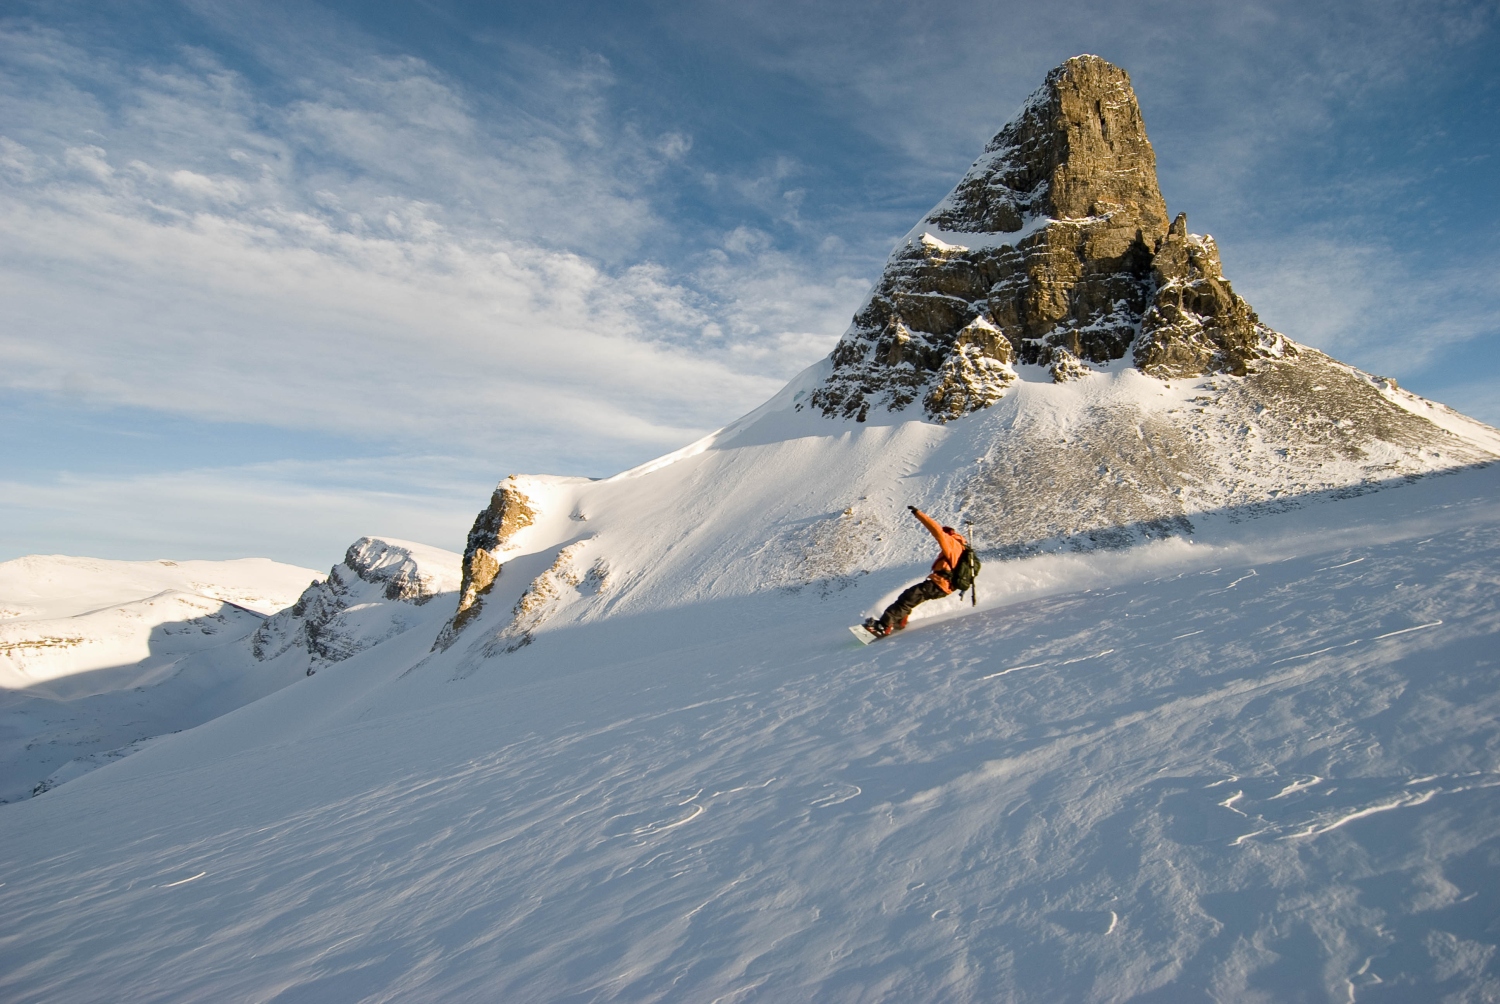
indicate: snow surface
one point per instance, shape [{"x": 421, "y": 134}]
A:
[
  {"x": 98, "y": 655},
  {"x": 45, "y": 586},
  {"x": 1257, "y": 761},
  {"x": 941, "y": 240}
]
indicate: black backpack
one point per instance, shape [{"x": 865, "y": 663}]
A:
[{"x": 964, "y": 573}]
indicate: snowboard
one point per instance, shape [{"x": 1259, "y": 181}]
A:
[{"x": 864, "y": 636}]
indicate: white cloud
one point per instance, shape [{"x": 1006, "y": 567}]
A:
[
  {"x": 370, "y": 258},
  {"x": 674, "y": 145},
  {"x": 299, "y": 512},
  {"x": 1370, "y": 305}
]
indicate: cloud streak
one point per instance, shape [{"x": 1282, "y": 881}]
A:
[
  {"x": 299, "y": 512},
  {"x": 368, "y": 259}
]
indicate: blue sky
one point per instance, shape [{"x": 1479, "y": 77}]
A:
[{"x": 277, "y": 275}]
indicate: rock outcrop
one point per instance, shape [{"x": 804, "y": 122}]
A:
[
  {"x": 1196, "y": 323},
  {"x": 366, "y": 599},
  {"x": 509, "y": 512},
  {"x": 571, "y": 575},
  {"x": 1054, "y": 250}
]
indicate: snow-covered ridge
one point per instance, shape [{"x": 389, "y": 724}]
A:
[
  {"x": 409, "y": 571},
  {"x": 50, "y": 586},
  {"x": 64, "y": 616},
  {"x": 98, "y": 667},
  {"x": 52, "y": 654},
  {"x": 97, "y": 655},
  {"x": 366, "y": 599}
]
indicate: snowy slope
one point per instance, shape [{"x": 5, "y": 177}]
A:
[
  {"x": 1254, "y": 761},
  {"x": 97, "y": 654},
  {"x": 70, "y": 627},
  {"x": 99, "y": 657}
]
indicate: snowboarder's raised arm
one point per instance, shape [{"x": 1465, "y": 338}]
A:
[
  {"x": 952, "y": 544},
  {"x": 931, "y": 524}
]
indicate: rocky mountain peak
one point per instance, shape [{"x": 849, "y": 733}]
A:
[
  {"x": 1053, "y": 250},
  {"x": 1052, "y": 259},
  {"x": 1078, "y": 149},
  {"x": 365, "y": 599}
]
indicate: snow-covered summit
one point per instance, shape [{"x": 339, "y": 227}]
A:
[
  {"x": 44, "y": 586},
  {"x": 98, "y": 655},
  {"x": 100, "y": 658},
  {"x": 365, "y": 599},
  {"x": 73, "y": 626}
]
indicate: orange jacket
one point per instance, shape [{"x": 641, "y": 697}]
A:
[{"x": 953, "y": 545}]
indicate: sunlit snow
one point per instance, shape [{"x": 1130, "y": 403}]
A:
[{"x": 1257, "y": 761}]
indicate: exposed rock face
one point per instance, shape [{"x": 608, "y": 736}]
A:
[
  {"x": 1078, "y": 150},
  {"x": 975, "y": 373},
  {"x": 509, "y": 512},
  {"x": 1196, "y": 323},
  {"x": 361, "y": 603},
  {"x": 1053, "y": 250}
]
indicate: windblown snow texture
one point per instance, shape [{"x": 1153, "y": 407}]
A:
[{"x": 1257, "y": 764}]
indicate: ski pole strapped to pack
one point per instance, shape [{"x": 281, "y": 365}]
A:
[{"x": 964, "y": 573}]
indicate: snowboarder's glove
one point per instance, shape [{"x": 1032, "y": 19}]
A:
[{"x": 913, "y": 509}]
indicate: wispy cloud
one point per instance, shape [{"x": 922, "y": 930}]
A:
[
  {"x": 1369, "y": 305},
  {"x": 299, "y": 512},
  {"x": 371, "y": 258}
]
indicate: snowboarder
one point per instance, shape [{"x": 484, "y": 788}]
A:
[{"x": 937, "y": 585}]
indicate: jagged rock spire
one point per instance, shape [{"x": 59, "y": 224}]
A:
[
  {"x": 1053, "y": 250},
  {"x": 1078, "y": 149},
  {"x": 1196, "y": 323}
]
